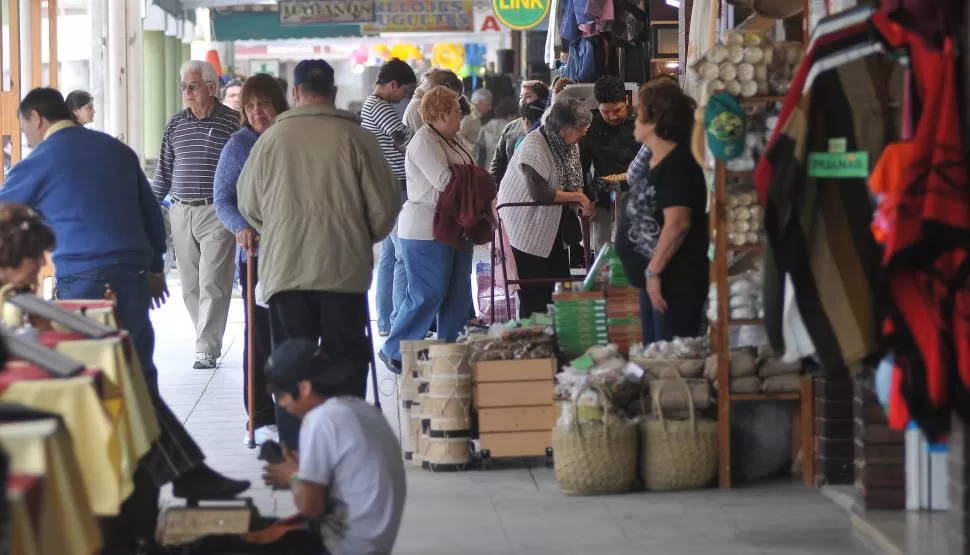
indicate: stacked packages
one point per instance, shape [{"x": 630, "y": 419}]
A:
[
  {"x": 758, "y": 370},
  {"x": 580, "y": 318},
  {"x": 744, "y": 297}
]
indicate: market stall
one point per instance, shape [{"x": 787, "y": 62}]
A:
[{"x": 73, "y": 462}]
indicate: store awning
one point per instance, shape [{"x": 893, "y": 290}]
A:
[
  {"x": 172, "y": 7},
  {"x": 265, "y": 25}
]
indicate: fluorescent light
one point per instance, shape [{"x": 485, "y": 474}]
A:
[
  {"x": 672, "y": 65},
  {"x": 674, "y": 3}
]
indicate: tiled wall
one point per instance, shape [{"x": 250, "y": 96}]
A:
[
  {"x": 834, "y": 442},
  {"x": 880, "y": 475}
]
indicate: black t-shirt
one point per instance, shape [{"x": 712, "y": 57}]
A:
[
  {"x": 677, "y": 181},
  {"x": 608, "y": 149}
]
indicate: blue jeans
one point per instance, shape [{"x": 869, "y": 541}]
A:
[
  {"x": 439, "y": 286},
  {"x": 132, "y": 300},
  {"x": 392, "y": 281}
]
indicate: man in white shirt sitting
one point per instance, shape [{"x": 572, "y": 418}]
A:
[{"x": 349, "y": 473}]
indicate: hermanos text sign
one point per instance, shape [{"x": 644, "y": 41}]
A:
[{"x": 521, "y": 14}]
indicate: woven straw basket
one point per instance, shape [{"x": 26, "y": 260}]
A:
[
  {"x": 595, "y": 457},
  {"x": 678, "y": 454}
]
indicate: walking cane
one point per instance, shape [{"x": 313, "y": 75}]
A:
[{"x": 251, "y": 345}]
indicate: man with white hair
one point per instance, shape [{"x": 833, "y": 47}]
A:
[
  {"x": 205, "y": 249},
  {"x": 481, "y": 113}
]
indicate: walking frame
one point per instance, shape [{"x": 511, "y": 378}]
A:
[{"x": 587, "y": 254}]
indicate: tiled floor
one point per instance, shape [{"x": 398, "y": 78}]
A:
[{"x": 512, "y": 509}]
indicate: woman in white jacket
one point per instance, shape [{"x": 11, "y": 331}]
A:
[{"x": 438, "y": 276}]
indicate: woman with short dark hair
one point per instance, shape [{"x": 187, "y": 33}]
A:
[
  {"x": 81, "y": 104},
  {"x": 662, "y": 238},
  {"x": 261, "y": 100},
  {"x": 24, "y": 242}
]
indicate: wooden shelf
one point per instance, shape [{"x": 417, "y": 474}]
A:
[
  {"x": 739, "y": 175},
  {"x": 794, "y": 396},
  {"x": 803, "y": 440},
  {"x": 747, "y": 248}
]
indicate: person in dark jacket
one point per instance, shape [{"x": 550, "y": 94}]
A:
[
  {"x": 607, "y": 149},
  {"x": 531, "y": 92},
  {"x": 93, "y": 193}
]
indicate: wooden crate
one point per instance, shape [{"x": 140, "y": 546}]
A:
[
  {"x": 515, "y": 407},
  {"x": 184, "y": 524}
]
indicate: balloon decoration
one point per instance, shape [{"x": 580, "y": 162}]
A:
[
  {"x": 406, "y": 52},
  {"x": 449, "y": 55},
  {"x": 360, "y": 56},
  {"x": 474, "y": 60}
]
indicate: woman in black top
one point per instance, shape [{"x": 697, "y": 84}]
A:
[{"x": 662, "y": 239}]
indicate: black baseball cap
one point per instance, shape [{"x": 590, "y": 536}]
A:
[
  {"x": 316, "y": 73},
  {"x": 297, "y": 360}
]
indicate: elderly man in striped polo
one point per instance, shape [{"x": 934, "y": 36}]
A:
[{"x": 205, "y": 249}]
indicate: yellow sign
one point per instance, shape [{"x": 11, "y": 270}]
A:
[{"x": 521, "y": 14}]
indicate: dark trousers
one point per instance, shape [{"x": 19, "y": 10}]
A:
[
  {"x": 175, "y": 453},
  {"x": 265, "y": 411},
  {"x": 534, "y": 298},
  {"x": 338, "y": 321},
  {"x": 685, "y": 309}
]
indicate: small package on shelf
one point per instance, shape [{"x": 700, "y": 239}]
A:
[{"x": 778, "y": 375}]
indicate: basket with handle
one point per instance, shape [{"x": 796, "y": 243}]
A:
[
  {"x": 678, "y": 454},
  {"x": 595, "y": 457}
]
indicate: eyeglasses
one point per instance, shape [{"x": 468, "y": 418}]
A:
[{"x": 191, "y": 87}]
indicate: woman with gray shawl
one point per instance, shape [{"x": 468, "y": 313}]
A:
[{"x": 546, "y": 168}]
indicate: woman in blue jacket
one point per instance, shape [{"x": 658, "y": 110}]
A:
[{"x": 261, "y": 100}]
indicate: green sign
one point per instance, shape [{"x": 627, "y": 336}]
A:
[
  {"x": 834, "y": 165},
  {"x": 521, "y": 15}
]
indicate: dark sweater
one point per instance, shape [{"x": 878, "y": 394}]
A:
[{"x": 90, "y": 188}]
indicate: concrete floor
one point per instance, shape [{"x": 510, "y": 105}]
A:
[{"x": 515, "y": 508}]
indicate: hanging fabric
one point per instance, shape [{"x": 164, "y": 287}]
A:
[{"x": 926, "y": 264}]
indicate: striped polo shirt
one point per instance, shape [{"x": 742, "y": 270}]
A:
[
  {"x": 381, "y": 118},
  {"x": 190, "y": 153}
]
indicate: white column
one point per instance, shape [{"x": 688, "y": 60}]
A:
[
  {"x": 26, "y": 77},
  {"x": 117, "y": 74},
  {"x": 96, "y": 68},
  {"x": 135, "y": 113}
]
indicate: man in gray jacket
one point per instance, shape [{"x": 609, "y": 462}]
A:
[{"x": 320, "y": 193}]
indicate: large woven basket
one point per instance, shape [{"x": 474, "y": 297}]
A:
[
  {"x": 678, "y": 454},
  {"x": 595, "y": 457}
]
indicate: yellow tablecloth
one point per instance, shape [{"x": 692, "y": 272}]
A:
[
  {"x": 125, "y": 396},
  {"x": 67, "y": 526},
  {"x": 95, "y": 439}
]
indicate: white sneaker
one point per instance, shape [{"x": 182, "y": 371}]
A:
[
  {"x": 204, "y": 361},
  {"x": 264, "y": 434}
]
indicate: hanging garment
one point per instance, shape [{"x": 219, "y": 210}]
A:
[
  {"x": 931, "y": 20},
  {"x": 818, "y": 228},
  {"x": 701, "y": 38},
  {"x": 833, "y": 34},
  {"x": 549, "y": 52},
  {"x": 926, "y": 265}
]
